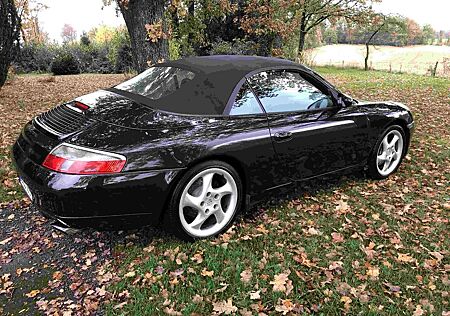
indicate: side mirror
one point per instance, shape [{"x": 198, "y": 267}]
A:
[{"x": 345, "y": 100}]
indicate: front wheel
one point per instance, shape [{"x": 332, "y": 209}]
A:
[
  {"x": 205, "y": 201},
  {"x": 388, "y": 153}
]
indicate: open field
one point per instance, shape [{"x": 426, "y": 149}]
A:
[
  {"x": 411, "y": 59},
  {"x": 341, "y": 245}
]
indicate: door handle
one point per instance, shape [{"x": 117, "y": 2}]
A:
[{"x": 283, "y": 135}]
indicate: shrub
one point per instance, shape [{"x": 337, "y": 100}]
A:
[
  {"x": 101, "y": 63},
  {"x": 34, "y": 58},
  {"x": 65, "y": 64},
  {"x": 93, "y": 58},
  {"x": 124, "y": 60}
]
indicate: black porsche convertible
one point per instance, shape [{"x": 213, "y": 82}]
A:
[{"x": 190, "y": 143}]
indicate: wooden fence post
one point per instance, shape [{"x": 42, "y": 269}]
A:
[{"x": 434, "y": 71}]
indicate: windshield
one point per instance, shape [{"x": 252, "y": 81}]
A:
[{"x": 157, "y": 82}]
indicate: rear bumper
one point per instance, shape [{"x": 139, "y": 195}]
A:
[{"x": 115, "y": 201}]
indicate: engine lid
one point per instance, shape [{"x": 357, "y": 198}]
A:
[{"x": 112, "y": 108}]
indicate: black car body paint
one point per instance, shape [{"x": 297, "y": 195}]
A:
[{"x": 268, "y": 150}]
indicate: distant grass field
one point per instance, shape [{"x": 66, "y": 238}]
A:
[{"x": 411, "y": 59}]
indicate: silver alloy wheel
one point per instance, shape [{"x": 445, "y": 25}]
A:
[
  {"x": 208, "y": 202},
  {"x": 390, "y": 152}
]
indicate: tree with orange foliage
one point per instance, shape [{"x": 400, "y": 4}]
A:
[
  {"x": 30, "y": 27},
  {"x": 271, "y": 21}
]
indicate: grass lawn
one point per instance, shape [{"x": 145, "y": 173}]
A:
[{"x": 339, "y": 245}]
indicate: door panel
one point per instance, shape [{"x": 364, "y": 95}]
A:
[
  {"x": 315, "y": 137},
  {"x": 316, "y": 147}
]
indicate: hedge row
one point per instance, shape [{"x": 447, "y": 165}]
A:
[{"x": 73, "y": 59}]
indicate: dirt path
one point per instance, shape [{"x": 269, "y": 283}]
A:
[{"x": 44, "y": 271}]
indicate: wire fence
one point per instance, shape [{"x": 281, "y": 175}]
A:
[{"x": 439, "y": 68}]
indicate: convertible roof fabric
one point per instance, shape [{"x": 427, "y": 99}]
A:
[{"x": 214, "y": 82}]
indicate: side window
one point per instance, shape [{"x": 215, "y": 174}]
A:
[
  {"x": 284, "y": 91},
  {"x": 245, "y": 102}
]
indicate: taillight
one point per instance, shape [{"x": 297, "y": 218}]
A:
[{"x": 74, "y": 159}]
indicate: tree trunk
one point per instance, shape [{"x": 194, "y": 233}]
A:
[
  {"x": 366, "y": 59},
  {"x": 303, "y": 32},
  {"x": 137, "y": 14},
  {"x": 9, "y": 36},
  {"x": 301, "y": 42}
]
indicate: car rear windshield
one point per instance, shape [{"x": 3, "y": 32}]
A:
[{"x": 157, "y": 82}]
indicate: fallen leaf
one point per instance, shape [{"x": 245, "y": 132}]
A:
[
  {"x": 57, "y": 275},
  {"x": 285, "y": 307},
  {"x": 224, "y": 307},
  {"x": 222, "y": 289},
  {"x": 130, "y": 274},
  {"x": 207, "y": 273},
  {"x": 373, "y": 272},
  {"x": 255, "y": 295},
  {"x": 246, "y": 276},
  {"x": 198, "y": 258},
  {"x": 33, "y": 293},
  {"x": 337, "y": 238},
  {"x": 418, "y": 311},
  {"x": 5, "y": 241},
  {"x": 279, "y": 282},
  {"x": 197, "y": 299},
  {"x": 404, "y": 257},
  {"x": 346, "y": 300}
]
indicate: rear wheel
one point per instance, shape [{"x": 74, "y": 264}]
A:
[
  {"x": 205, "y": 201},
  {"x": 388, "y": 154}
]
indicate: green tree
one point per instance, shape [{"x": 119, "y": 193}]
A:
[
  {"x": 311, "y": 13},
  {"x": 330, "y": 36},
  {"x": 428, "y": 34},
  {"x": 84, "y": 39},
  {"x": 196, "y": 24},
  {"x": 374, "y": 24}
]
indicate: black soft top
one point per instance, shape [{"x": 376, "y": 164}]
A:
[{"x": 215, "y": 79}]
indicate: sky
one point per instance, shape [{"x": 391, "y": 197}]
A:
[
  {"x": 434, "y": 12},
  {"x": 83, "y": 15}
]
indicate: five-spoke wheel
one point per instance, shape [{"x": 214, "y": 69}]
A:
[
  {"x": 389, "y": 153},
  {"x": 208, "y": 198}
]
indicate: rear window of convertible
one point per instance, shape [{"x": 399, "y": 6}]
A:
[{"x": 157, "y": 82}]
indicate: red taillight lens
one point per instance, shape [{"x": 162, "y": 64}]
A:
[{"x": 73, "y": 159}]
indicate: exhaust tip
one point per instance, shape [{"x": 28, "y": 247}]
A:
[{"x": 64, "y": 228}]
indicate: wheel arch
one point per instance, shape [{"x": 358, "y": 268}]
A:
[
  {"x": 402, "y": 123},
  {"x": 232, "y": 161}
]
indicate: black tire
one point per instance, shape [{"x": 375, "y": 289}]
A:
[
  {"x": 372, "y": 162},
  {"x": 171, "y": 220}
]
